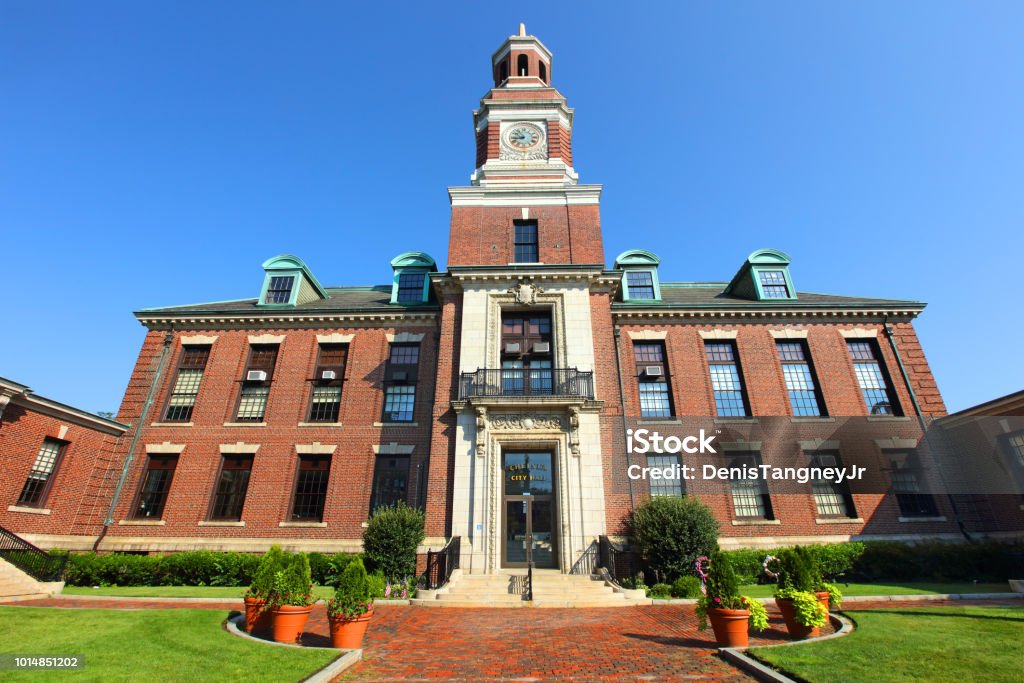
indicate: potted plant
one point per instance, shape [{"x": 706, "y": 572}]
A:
[
  {"x": 351, "y": 608},
  {"x": 257, "y": 617},
  {"x": 291, "y": 599},
  {"x": 730, "y": 613},
  {"x": 802, "y": 596}
]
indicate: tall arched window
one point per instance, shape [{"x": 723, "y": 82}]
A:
[
  {"x": 503, "y": 72},
  {"x": 543, "y": 72},
  {"x": 522, "y": 65}
]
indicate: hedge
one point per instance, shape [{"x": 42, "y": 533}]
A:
[
  {"x": 892, "y": 560},
  {"x": 199, "y": 568}
]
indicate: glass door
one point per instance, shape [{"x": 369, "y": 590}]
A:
[{"x": 530, "y": 530}]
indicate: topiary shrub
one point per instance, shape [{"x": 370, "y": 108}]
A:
[
  {"x": 686, "y": 587},
  {"x": 391, "y": 538},
  {"x": 352, "y": 595},
  {"x": 270, "y": 564},
  {"x": 672, "y": 533},
  {"x": 292, "y": 584}
]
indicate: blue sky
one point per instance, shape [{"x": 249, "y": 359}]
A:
[{"x": 156, "y": 153}]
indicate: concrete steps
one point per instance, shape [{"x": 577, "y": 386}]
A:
[
  {"x": 550, "y": 589},
  {"x": 16, "y": 585}
]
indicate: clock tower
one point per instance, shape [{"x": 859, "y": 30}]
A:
[
  {"x": 525, "y": 298},
  {"x": 524, "y": 171}
]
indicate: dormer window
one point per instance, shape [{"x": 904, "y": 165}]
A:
[
  {"x": 411, "y": 284},
  {"x": 764, "y": 276},
  {"x": 288, "y": 282},
  {"x": 773, "y": 284},
  {"x": 640, "y": 275},
  {"x": 280, "y": 290}
]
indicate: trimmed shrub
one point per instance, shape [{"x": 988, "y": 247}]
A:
[
  {"x": 686, "y": 587},
  {"x": 661, "y": 591},
  {"x": 391, "y": 538},
  {"x": 797, "y": 570},
  {"x": 292, "y": 583},
  {"x": 327, "y": 569},
  {"x": 832, "y": 559},
  {"x": 672, "y": 533},
  {"x": 377, "y": 584},
  {"x": 270, "y": 564}
]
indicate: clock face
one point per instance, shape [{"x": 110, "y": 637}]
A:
[{"x": 523, "y": 136}]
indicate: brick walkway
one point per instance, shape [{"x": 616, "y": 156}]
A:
[{"x": 598, "y": 645}]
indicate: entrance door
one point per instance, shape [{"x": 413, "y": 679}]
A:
[{"x": 529, "y": 510}]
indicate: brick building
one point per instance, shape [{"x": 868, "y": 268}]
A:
[{"x": 497, "y": 393}]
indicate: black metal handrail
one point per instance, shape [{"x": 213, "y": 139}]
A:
[
  {"x": 506, "y": 382},
  {"x": 35, "y": 562},
  {"x": 441, "y": 564},
  {"x": 620, "y": 563},
  {"x": 588, "y": 562}
]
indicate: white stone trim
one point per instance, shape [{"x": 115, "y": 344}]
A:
[
  {"x": 29, "y": 510},
  {"x": 165, "y": 448},
  {"x": 859, "y": 333},
  {"x": 404, "y": 338},
  {"x": 647, "y": 334},
  {"x": 575, "y": 195},
  {"x": 266, "y": 338},
  {"x": 302, "y": 525},
  {"x": 526, "y": 213},
  {"x": 819, "y": 445},
  {"x": 719, "y": 334},
  {"x": 62, "y": 432},
  {"x": 142, "y": 522},
  {"x": 938, "y": 518},
  {"x": 896, "y": 443},
  {"x": 756, "y": 522},
  {"x": 239, "y": 447},
  {"x": 245, "y": 424},
  {"x": 315, "y": 448},
  {"x": 393, "y": 448},
  {"x": 788, "y": 334},
  {"x": 198, "y": 339},
  {"x": 838, "y": 520},
  {"x": 216, "y": 523},
  {"x": 334, "y": 338}
]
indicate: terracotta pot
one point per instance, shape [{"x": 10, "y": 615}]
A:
[
  {"x": 257, "y": 619},
  {"x": 823, "y": 598},
  {"x": 288, "y": 622},
  {"x": 730, "y": 626},
  {"x": 348, "y": 633},
  {"x": 795, "y": 628}
]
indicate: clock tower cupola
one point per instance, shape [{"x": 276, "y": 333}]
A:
[{"x": 523, "y": 126}]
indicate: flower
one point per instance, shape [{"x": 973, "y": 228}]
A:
[{"x": 718, "y": 601}]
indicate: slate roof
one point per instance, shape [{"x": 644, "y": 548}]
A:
[
  {"x": 340, "y": 299},
  {"x": 711, "y": 295}
]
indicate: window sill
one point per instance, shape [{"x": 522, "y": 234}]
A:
[
  {"x": 940, "y": 518},
  {"x": 303, "y": 525},
  {"x": 887, "y": 418},
  {"x": 31, "y": 511},
  {"x": 142, "y": 522},
  {"x": 245, "y": 424},
  {"x": 659, "y": 421},
  {"x": 332, "y": 425},
  {"x": 811, "y": 420},
  {"x": 213, "y": 522},
  {"x": 756, "y": 522},
  {"x": 395, "y": 424},
  {"x": 838, "y": 520},
  {"x": 735, "y": 420},
  {"x": 171, "y": 424}
]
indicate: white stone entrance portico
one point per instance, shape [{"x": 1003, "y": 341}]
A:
[{"x": 562, "y": 420}]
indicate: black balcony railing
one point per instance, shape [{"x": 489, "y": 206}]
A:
[
  {"x": 38, "y": 564},
  {"x": 509, "y": 382}
]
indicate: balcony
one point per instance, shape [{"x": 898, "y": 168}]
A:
[{"x": 527, "y": 383}]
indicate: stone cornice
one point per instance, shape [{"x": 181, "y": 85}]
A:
[
  {"x": 220, "y": 321},
  {"x": 571, "y": 195},
  {"x": 752, "y": 314},
  {"x": 19, "y": 394}
]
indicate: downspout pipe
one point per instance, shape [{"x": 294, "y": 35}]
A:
[
  {"x": 622, "y": 403},
  {"x": 887, "y": 328},
  {"x": 143, "y": 417}
]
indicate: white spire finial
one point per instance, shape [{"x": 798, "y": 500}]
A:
[{"x": 522, "y": 30}]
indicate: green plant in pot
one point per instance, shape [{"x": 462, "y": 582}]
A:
[
  {"x": 802, "y": 595},
  {"x": 257, "y": 615},
  {"x": 731, "y": 614},
  {"x": 291, "y": 598},
  {"x": 351, "y": 608}
]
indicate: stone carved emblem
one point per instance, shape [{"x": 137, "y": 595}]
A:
[
  {"x": 525, "y": 293},
  {"x": 525, "y": 422},
  {"x": 481, "y": 431},
  {"x": 574, "y": 430}
]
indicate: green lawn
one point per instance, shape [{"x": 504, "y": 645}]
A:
[
  {"x": 175, "y": 591},
  {"x": 937, "y": 644},
  {"x": 909, "y": 588},
  {"x": 149, "y": 645}
]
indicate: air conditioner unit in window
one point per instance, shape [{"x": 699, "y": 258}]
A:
[
  {"x": 653, "y": 371},
  {"x": 400, "y": 376},
  {"x": 256, "y": 376},
  {"x": 511, "y": 348},
  {"x": 542, "y": 347},
  {"x": 328, "y": 375}
]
